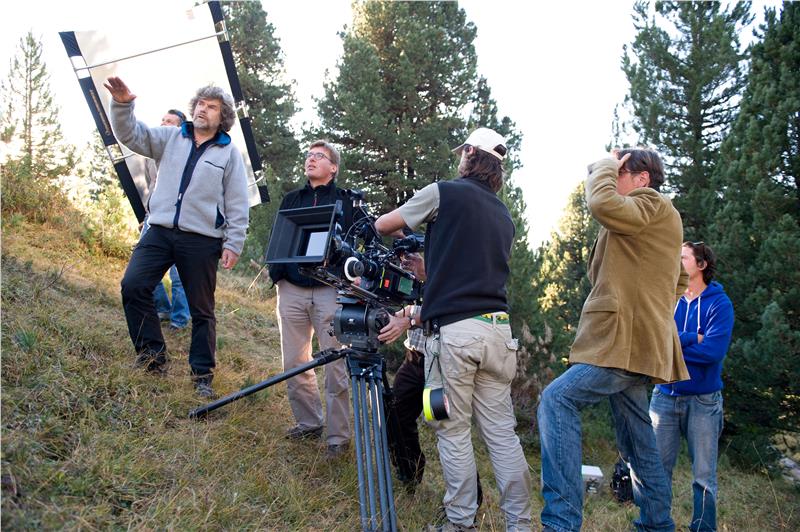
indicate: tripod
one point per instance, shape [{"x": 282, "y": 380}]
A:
[{"x": 365, "y": 367}]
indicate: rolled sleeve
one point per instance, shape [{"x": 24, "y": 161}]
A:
[{"x": 423, "y": 207}]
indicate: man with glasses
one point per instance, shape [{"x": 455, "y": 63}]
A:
[
  {"x": 469, "y": 350},
  {"x": 693, "y": 409},
  {"x": 305, "y": 307},
  {"x": 626, "y": 338}
]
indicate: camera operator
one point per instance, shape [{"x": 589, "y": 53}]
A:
[
  {"x": 405, "y": 400},
  {"x": 404, "y": 404},
  {"x": 198, "y": 215},
  {"x": 306, "y": 306},
  {"x": 468, "y": 245}
]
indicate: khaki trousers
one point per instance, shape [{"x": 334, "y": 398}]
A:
[
  {"x": 301, "y": 313},
  {"x": 479, "y": 361}
]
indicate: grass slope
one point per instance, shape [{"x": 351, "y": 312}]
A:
[{"x": 89, "y": 443}]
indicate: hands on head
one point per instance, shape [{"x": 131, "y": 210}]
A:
[{"x": 620, "y": 162}]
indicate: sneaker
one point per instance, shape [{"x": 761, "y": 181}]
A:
[
  {"x": 202, "y": 386},
  {"x": 302, "y": 433},
  {"x": 336, "y": 450},
  {"x": 173, "y": 327},
  {"x": 163, "y": 316},
  {"x": 151, "y": 361}
]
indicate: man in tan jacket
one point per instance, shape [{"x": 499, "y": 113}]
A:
[{"x": 625, "y": 338}]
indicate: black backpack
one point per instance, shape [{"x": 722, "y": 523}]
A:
[{"x": 621, "y": 484}]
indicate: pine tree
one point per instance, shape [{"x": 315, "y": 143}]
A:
[
  {"x": 270, "y": 100},
  {"x": 562, "y": 281},
  {"x": 396, "y": 106},
  {"x": 30, "y": 117},
  {"x": 271, "y": 105},
  {"x": 757, "y": 236},
  {"x": 686, "y": 73},
  {"x": 99, "y": 172}
]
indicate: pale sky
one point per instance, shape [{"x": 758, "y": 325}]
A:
[{"x": 553, "y": 67}]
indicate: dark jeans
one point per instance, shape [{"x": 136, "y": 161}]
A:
[
  {"x": 404, "y": 407},
  {"x": 196, "y": 257}
]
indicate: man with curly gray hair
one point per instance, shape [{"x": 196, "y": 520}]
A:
[
  {"x": 198, "y": 215},
  {"x": 227, "y": 111}
]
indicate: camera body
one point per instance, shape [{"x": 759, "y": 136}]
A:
[{"x": 367, "y": 275}]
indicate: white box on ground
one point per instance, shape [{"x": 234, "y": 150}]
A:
[{"x": 592, "y": 478}]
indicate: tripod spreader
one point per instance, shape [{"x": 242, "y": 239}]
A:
[{"x": 320, "y": 359}]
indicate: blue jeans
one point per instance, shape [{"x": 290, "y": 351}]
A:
[
  {"x": 178, "y": 309},
  {"x": 698, "y": 418},
  {"x": 560, "y": 434}
]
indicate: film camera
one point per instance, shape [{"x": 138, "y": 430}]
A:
[
  {"x": 369, "y": 281},
  {"x": 366, "y": 274}
]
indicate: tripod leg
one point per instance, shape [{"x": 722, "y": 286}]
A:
[
  {"x": 368, "y": 454},
  {"x": 359, "y": 439},
  {"x": 387, "y": 472},
  {"x": 380, "y": 470}
]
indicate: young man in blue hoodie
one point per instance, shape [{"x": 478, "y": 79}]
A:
[{"x": 693, "y": 408}]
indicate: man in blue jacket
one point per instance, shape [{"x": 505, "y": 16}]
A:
[
  {"x": 198, "y": 217},
  {"x": 693, "y": 408}
]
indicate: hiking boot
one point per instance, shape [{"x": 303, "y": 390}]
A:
[
  {"x": 303, "y": 433},
  {"x": 151, "y": 361},
  {"x": 202, "y": 387},
  {"x": 336, "y": 450}
]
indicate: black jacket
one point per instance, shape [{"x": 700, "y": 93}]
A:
[{"x": 311, "y": 197}]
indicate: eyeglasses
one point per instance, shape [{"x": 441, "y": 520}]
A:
[
  {"x": 317, "y": 156},
  {"x": 626, "y": 171}
]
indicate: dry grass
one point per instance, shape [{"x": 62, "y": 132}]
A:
[{"x": 88, "y": 443}]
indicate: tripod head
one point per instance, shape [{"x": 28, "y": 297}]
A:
[{"x": 357, "y": 323}]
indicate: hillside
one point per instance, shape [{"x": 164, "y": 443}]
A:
[{"x": 90, "y": 443}]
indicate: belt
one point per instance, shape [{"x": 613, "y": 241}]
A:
[
  {"x": 433, "y": 326},
  {"x": 494, "y": 317}
]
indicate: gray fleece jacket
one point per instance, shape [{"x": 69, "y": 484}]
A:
[{"x": 215, "y": 203}]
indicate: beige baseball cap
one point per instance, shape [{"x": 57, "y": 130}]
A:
[{"x": 487, "y": 140}]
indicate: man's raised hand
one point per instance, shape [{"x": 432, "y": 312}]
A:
[{"x": 119, "y": 91}]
